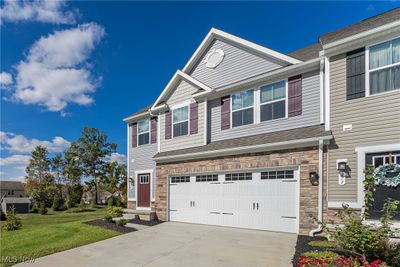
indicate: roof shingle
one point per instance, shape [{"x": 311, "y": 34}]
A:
[{"x": 259, "y": 139}]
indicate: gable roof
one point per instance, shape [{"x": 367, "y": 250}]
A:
[
  {"x": 15, "y": 200},
  {"x": 229, "y": 38},
  {"x": 364, "y": 25},
  {"x": 178, "y": 76},
  {"x": 308, "y": 52},
  {"x": 9, "y": 185}
]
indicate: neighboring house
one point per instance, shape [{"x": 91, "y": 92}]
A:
[
  {"x": 88, "y": 196},
  {"x": 20, "y": 204},
  {"x": 12, "y": 189},
  {"x": 245, "y": 136}
]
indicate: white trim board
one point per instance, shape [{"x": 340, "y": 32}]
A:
[{"x": 224, "y": 36}]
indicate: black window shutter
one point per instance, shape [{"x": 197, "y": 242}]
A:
[{"x": 355, "y": 74}]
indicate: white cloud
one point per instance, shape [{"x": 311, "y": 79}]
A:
[
  {"x": 5, "y": 80},
  {"x": 49, "y": 11},
  {"x": 120, "y": 158},
  {"x": 20, "y": 144},
  {"x": 55, "y": 72},
  {"x": 15, "y": 160}
]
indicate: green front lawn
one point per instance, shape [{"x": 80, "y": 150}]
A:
[{"x": 42, "y": 235}]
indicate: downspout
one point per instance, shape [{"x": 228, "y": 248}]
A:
[
  {"x": 320, "y": 156},
  {"x": 320, "y": 188}
]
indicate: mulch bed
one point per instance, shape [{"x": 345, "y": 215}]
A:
[
  {"x": 147, "y": 223},
  {"x": 303, "y": 246},
  {"x": 111, "y": 226}
]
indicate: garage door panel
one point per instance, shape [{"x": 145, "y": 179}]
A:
[{"x": 267, "y": 204}]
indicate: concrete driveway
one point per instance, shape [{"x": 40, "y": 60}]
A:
[{"x": 179, "y": 244}]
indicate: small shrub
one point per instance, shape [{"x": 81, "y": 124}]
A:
[
  {"x": 108, "y": 218},
  {"x": 82, "y": 205},
  {"x": 122, "y": 222},
  {"x": 118, "y": 202},
  {"x": 324, "y": 244},
  {"x": 13, "y": 222},
  {"x": 58, "y": 204},
  {"x": 110, "y": 201},
  {"x": 42, "y": 209},
  {"x": 35, "y": 208},
  {"x": 321, "y": 254},
  {"x": 115, "y": 211},
  {"x": 3, "y": 216}
]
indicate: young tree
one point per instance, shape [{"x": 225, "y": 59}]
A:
[
  {"x": 114, "y": 176},
  {"x": 92, "y": 149},
  {"x": 39, "y": 180}
]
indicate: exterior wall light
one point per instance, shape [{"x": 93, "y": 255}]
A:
[
  {"x": 343, "y": 169},
  {"x": 314, "y": 178}
]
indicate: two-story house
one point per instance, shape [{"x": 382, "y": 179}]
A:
[{"x": 242, "y": 136}]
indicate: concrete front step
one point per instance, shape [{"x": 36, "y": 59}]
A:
[{"x": 145, "y": 215}]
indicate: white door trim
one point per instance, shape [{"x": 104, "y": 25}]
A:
[{"x": 138, "y": 172}]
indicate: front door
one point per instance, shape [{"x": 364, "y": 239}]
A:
[{"x": 143, "y": 190}]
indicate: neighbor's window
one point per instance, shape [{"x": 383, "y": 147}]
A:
[
  {"x": 180, "y": 121},
  {"x": 273, "y": 101},
  {"x": 242, "y": 108},
  {"x": 384, "y": 67},
  {"x": 143, "y": 131}
]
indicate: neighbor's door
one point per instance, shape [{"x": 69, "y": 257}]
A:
[{"x": 143, "y": 190}]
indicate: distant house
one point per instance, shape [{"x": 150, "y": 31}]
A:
[
  {"x": 21, "y": 204},
  {"x": 12, "y": 189},
  {"x": 103, "y": 196}
]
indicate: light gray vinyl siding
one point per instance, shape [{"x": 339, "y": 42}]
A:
[
  {"x": 190, "y": 140},
  {"x": 182, "y": 94},
  {"x": 141, "y": 158},
  {"x": 237, "y": 65},
  {"x": 375, "y": 121},
  {"x": 310, "y": 114}
]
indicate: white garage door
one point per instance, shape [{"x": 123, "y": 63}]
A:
[{"x": 267, "y": 200}]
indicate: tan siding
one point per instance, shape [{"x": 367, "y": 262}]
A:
[{"x": 369, "y": 117}]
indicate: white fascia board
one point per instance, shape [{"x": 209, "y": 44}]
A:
[
  {"x": 281, "y": 73},
  {"x": 137, "y": 117},
  {"x": 246, "y": 149},
  {"x": 178, "y": 76},
  {"x": 215, "y": 34},
  {"x": 336, "y": 47}
]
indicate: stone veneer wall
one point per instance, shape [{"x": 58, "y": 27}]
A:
[{"x": 306, "y": 158}]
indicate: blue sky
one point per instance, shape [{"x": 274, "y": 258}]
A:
[{"x": 68, "y": 65}]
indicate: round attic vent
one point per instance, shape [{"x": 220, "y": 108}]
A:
[{"x": 214, "y": 58}]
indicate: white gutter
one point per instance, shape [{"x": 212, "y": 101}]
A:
[
  {"x": 246, "y": 149},
  {"x": 320, "y": 188}
]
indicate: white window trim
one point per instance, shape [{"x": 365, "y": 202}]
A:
[
  {"x": 173, "y": 108},
  {"x": 273, "y": 101},
  {"x": 149, "y": 132},
  {"x": 367, "y": 70},
  {"x": 240, "y": 109},
  {"x": 361, "y": 152}
]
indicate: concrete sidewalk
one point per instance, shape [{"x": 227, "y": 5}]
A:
[{"x": 179, "y": 244}]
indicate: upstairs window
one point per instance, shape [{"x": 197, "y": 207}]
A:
[
  {"x": 180, "y": 121},
  {"x": 384, "y": 67},
  {"x": 273, "y": 101},
  {"x": 243, "y": 108},
  {"x": 143, "y": 132}
]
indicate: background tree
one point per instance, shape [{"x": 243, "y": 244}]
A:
[
  {"x": 114, "y": 176},
  {"x": 39, "y": 180},
  {"x": 72, "y": 173},
  {"x": 92, "y": 149}
]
